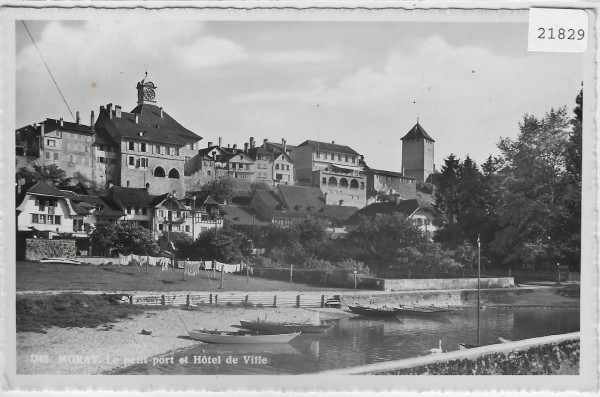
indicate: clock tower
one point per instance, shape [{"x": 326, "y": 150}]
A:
[{"x": 146, "y": 92}]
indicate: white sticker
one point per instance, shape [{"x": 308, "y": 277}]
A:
[{"x": 557, "y": 30}]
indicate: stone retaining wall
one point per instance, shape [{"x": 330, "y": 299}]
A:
[
  {"x": 548, "y": 355},
  {"x": 450, "y": 283},
  {"x": 38, "y": 248}
]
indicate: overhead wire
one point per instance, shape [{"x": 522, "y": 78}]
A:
[{"x": 47, "y": 68}]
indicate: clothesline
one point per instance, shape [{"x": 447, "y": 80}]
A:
[{"x": 189, "y": 266}]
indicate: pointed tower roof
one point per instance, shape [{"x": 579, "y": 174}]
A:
[{"x": 417, "y": 132}]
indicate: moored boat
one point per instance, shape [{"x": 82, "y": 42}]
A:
[
  {"x": 465, "y": 346},
  {"x": 504, "y": 340},
  {"x": 374, "y": 311},
  {"x": 282, "y": 328},
  {"x": 240, "y": 337},
  {"x": 421, "y": 311}
]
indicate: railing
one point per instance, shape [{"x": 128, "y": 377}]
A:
[{"x": 254, "y": 299}]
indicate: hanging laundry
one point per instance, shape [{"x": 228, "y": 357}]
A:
[
  {"x": 192, "y": 268},
  {"x": 165, "y": 264},
  {"x": 208, "y": 265},
  {"x": 124, "y": 259}
]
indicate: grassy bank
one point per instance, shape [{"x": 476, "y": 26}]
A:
[
  {"x": 58, "y": 277},
  {"x": 38, "y": 313}
]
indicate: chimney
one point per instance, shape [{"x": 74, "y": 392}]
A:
[
  {"x": 246, "y": 147},
  {"x": 161, "y": 113},
  {"x": 42, "y": 128},
  {"x": 282, "y": 141},
  {"x": 77, "y": 119},
  {"x": 228, "y": 146},
  {"x": 234, "y": 146},
  {"x": 265, "y": 142},
  {"x": 220, "y": 141},
  {"x": 61, "y": 122},
  {"x": 251, "y": 142},
  {"x": 118, "y": 111},
  {"x": 284, "y": 146},
  {"x": 137, "y": 118},
  {"x": 92, "y": 121},
  {"x": 209, "y": 144},
  {"x": 333, "y": 142},
  {"x": 109, "y": 109}
]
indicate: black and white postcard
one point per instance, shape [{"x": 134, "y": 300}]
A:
[{"x": 290, "y": 197}]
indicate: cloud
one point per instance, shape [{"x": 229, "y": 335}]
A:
[{"x": 296, "y": 57}]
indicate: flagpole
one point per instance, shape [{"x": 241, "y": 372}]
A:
[{"x": 478, "y": 290}]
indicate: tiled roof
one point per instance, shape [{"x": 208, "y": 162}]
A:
[
  {"x": 53, "y": 124},
  {"x": 154, "y": 128},
  {"x": 42, "y": 189},
  {"x": 264, "y": 202},
  {"x": 330, "y": 147},
  {"x": 391, "y": 173},
  {"x": 241, "y": 216},
  {"x": 301, "y": 197},
  {"x": 127, "y": 196},
  {"x": 417, "y": 132},
  {"x": 406, "y": 207},
  {"x": 280, "y": 146}
]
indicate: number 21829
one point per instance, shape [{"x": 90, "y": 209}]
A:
[{"x": 561, "y": 34}]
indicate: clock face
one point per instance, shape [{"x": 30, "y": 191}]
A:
[{"x": 148, "y": 93}]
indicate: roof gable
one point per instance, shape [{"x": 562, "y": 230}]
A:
[
  {"x": 417, "y": 132},
  {"x": 330, "y": 147}
]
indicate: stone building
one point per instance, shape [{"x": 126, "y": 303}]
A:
[
  {"x": 335, "y": 169},
  {"x": 417, "y": 154},
  {"x": 273, "y": 165},
  {"x": 152, "y": 146},
  {"x": 391, "y": 183}
]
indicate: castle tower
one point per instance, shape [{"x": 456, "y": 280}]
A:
[{"x": 417, "y": 153}]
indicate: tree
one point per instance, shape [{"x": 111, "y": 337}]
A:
[
  {"x": 103, "y": 237},
  {"x": 50, "y": 174},
  {"x": 93, "y": 187},
  {"x": 132, "y": 238},
  {"x": 220, "y": 189},
  {"x": 532, "y": 207},
  {"x": 224, "y": 245}
]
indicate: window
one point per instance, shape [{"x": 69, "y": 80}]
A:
[
  {"x": 353, "y": 159},
  {"x": 172, "y": 151},
  {"x": 142, "y": 147},
  {"x": 127, "y": 183},
  {"x": 50, "y": 142},
  {"x": 339, "y": 157},
  {"x": 144, "y": 162},
  {"x": 161, "y": 213},
  {"x": 324, "y": 181},
  {"x": 325, "y": 156},
  {"x": 131, "y": 161},
  {"x": 86, "y": 148},
  {"x": 42, "y": 218},
  {"x": 129, "y": 209},
  {"x": 48, "y": 155},
  {"x": 178, "y": 214},
  {"x": 160, "y": 226},
  {"x": 187, "y": 228},
  {"x": 346, "y": 158},
  {"x": 174, "y": 174},
  {"x": 144, "y": 211},
  {"x": 208, "y": 173},
  {"x": 101, "y": 159},
  {"x": 159, "y": 172},
  {"x": 276, "y": 166},
  {"x": 131, "y": 146},
  {"x": 176, "y": 150},
  {"x": 157, "y": 149},
  {"x": 287, "y": 167},
  {"x": 138, "y": 210},
  {"x": 71, "y": 159},
  {"x": 55, "y": 156},
  {"x": 35, "y": 218}
]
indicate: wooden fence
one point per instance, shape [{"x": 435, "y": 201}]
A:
[{"x": 250, "y": 299}]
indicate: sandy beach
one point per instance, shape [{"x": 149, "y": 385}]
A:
[{"x": 116, "y": 345}]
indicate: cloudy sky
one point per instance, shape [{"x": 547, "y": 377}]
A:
[{"x": 362, "y": 84}]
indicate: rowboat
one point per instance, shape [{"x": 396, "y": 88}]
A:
[
  {"x": 504, "y": 340},
  {"x": 239, "y": 337},
  {"x": 283, "y": 328},
  {"x": 374, "y": 311},
  {"x": 66, "y": 261},
  {"x": 465, "y": 346}
]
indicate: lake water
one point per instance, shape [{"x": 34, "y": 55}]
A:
[{"x": 360, "y": 340}]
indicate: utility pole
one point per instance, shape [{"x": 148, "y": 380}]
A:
[{"x": 478, "y": 291}]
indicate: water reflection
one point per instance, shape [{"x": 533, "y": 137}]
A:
[{"x": 359, "y": 340}]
